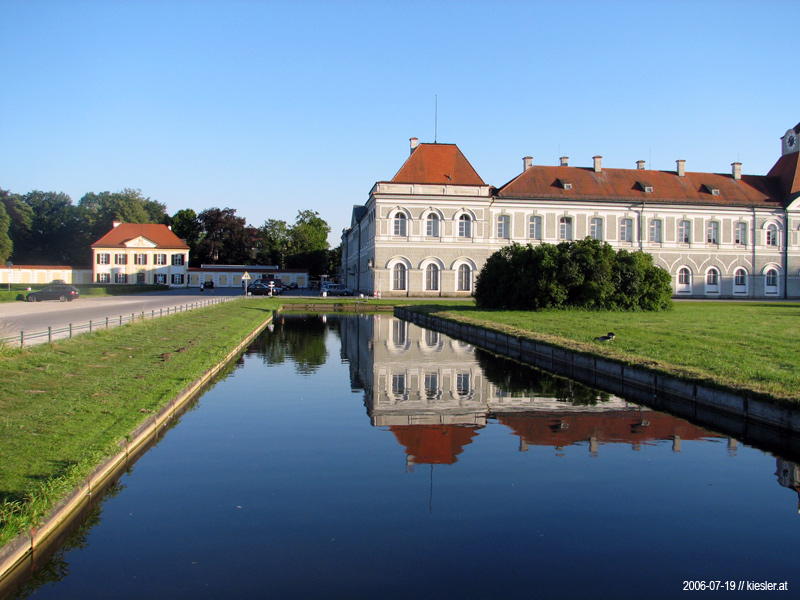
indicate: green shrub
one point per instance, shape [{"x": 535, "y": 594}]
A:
[{"x": 585, "y": 274}]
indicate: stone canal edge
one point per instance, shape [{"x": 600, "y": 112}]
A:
[{"x": 24, "y": 550}]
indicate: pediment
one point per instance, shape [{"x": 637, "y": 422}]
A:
[{"x": 140, "y": 242}]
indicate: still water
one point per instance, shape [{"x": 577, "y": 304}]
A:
[{"x": 364, "y": 457}]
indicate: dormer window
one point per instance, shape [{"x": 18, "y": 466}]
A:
[
  {"x": 711, "y": 190},
  {"x": 646, "y": 188},
  {"x": 565, "y": 184}
]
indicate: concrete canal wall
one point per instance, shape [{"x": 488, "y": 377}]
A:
[{"x": 746, "y": 417}]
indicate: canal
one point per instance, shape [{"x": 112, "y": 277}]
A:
[{"x": 364, "y": 457}]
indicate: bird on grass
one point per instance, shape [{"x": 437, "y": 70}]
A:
[{"x": 605, "y": 338}]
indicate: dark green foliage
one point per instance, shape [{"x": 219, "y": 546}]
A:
[{"x": 585, "y": 274}]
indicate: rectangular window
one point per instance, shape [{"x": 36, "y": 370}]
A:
[
  {"x": 464, "y": 226},
  {"x": 161, "y": 278},
  {"x": 177, "y": 260},
  {"x": 535, "y": 228},
  {"x": 140, "y": 259},
  {"x": 120, "y": 278},
  {"x": 565, "y": 228},
  {"x": 103, "y": 278},
  {"x": 740, "y": 234},
  {"x": 504, "y": 227},
  {"x": 712, "y": 232},
  {"x": 103, "y": 258},
  {"x": 626, "y": 230},
  {"x": 120, "y": 259},
  {"x": 655, "y": 231},
  {"x": 596, "y": 228},
  {"x": 684, "y": 232},
  {"x": 463, "y": 384},
  {"x": 177, "y": 279},
  {"x": 160, "y": 259}
]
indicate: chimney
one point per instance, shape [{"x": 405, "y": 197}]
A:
[
  {"x": 564, "y": 161},
  {"x": 681, "y": 167},
  {"x": 116, "y": 224},
  {"x": 598, "y": 168},
  {"x": 640, "y": 165},
  {"x": 527, "y": 163},
  {"x": 414, "y": 143},
  {"x": 737, "y": 170}
]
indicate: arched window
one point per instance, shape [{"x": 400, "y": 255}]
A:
[
  {"x": 504, "y": 227},
  {"x": 656, "y": 231},
  {"x": 464, "y": 226},
  {"x": 772, "y": 234},
  {"x": 740, "y": 281},
  {"x": 740, "y": 234},
  {"x": 685, "y": 232},
  {"x": 464, "y": 278},
  {"x": 712, "y": 232},
  {"x": 432, "y": 277},
  {"x": 596, "y": 228},
  {"x": 399, "y": 277},
  {"x": 432, "y": 225},
  {"x": 684, "y": 276},
  {"x": 772, "y": 281},
  {"x": 626, "y": 230},
  {"x": 712, "y": 277},
  {"x": 400, "y": 224},
  {"x": 565, "y": 228},
  {"x": 535, "y": 228}
]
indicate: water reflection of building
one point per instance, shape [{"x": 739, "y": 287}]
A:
[
  {"x": 435, "y": 394},
  {"x": 788, "y": 474}
]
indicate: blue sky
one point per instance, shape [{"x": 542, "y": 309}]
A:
[{"x": 275, "y": 107}]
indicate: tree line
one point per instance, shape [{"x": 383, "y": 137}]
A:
[{"x": 46, "y": 228}]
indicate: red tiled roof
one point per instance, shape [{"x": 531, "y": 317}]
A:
[
  {"x": 161, "y": 235},
  {"x": 787, "y": 169},
  {"x": 438, "y": 163},
  {"x": 629, "y": 185},
  {"x": 434, "y": 444}
]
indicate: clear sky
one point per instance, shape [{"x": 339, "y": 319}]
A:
[{"x": 275, "y": 107}]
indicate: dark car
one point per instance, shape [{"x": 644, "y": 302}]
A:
[
  {"x": 54, "y": 292},
  {"x": 260, "y": 289}
]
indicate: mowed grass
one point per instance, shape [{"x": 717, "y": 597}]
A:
[
  {"x": 64, "y": 406},
  {"x": 738, "y": 345}
]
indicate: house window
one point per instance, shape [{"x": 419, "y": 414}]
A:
[
  {"x": 740, "y": 234},
  {"x": 120, "y": 278},
  {"x": 160, "y": 259},
  {"x": 565, "y": 228},
  {"x": 120, "y": 259},
  {"x": 161, "y": 278},
  {"x": 432, "y": 277},
  {"x": 399, "y": 385},
  {"x": 464, "y": 278},
  {"x": 103, "y": 259},
  {"x": 464, "y": 226},
  {"x": 400, "y": 224},
  {"x": 399, "y": 277},
  {"x": 504, "y": 227},
  {"x": 431, "y": 386},
  {"x": 399, "y": 333},
  {"x": 684, "y": 232},
  {"x": 772, "y": 281},
  {"x": 103, "y": 278},
  {"x": 177, "y": 279},
  {"x": 463, "y": 384},
  {"x": 432, "y": 338},
  {"x": 535, "y": 228},
  {"x": 140, "y": 259},
  {"x": 656, "y": 231},
  {"x": 596, "y": 228},
  {"x": 626, "y": 230},
  {"x": 712, "y": 232},
  {"x": 772, "y": 235},
  {"x": 712, "y": 277},
  {"x": 740, "y": 279},
  {"x": 177, "y": 260},
  {"x": 432, "y": 226},
  {"x": 684, "y": 276}
]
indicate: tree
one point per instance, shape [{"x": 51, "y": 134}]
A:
[
  {"x": 127, "y": 206},
  {"x": 5, "y": 242},
  {"x": 225, "y": 239},
  {"x": 187, "y": 226},
  {"x": 47, "y": 229},
  {"x": 308, "y": 243},
  {"x": 273, "y": 243}
]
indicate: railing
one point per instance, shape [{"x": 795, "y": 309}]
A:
[{"x": 74, "y": 329}]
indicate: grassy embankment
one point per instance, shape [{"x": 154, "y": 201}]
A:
[
  {"x": 65, "y": 405},
  {"x": 741, "y": 346}
]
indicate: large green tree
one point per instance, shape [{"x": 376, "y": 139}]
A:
[
  {"x": 225, "y": 240},
  {"x": 128, "y": 206},
  {"x": 308, "y": 243},
  {"x": 5, "y": 241},
  {"x": 46, "y": 228},
  {"x": 187, "y": 226},
  {"x": 273, "y": 243}
]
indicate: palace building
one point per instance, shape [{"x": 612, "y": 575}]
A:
[{"x": 429, "y": 230}]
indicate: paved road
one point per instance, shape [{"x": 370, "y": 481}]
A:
[{"x": 30, "y": 317}]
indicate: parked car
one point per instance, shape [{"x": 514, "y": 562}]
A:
[
  {"x": 337, "y": 289},
  {"x": 259, "y": 288},
  {"x": 64, "y": 293}
]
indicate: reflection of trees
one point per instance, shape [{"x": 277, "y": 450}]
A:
[
  {"x": 520, "y": 380},
  {"x": 299, "y": 338}
]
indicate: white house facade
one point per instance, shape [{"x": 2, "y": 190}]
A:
[{"x": 429, "y": 230}]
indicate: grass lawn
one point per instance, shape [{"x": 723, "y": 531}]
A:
[
  {"x": 740, "y": 345},
  {"x": 65, "y": 405}
]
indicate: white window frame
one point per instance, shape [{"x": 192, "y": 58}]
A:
[
  {"x": 103, "y": 258},
  {"x": 504, "y": 227},
  {"x": 397, "y": 284},
  {"x": 400, "y": 228},
  {"x": 104, "y": 278},
  {"x": 684, "y": 231},
  {"x": 464, "y": 226},
  {"x": 656, "y": 231},
  {"x": 535, "y": 227},
  {"x": 120, "y": 278},
  {"x": 684, "y": 280},
  {"x": 120, "y": 259},
  {"x": 464, "y": 278},
  {"x": 712, "y": 232},
  {"x": 596, "y": 228},
  {"x": 740, "y": 233},
  {"x": 161, "y": 278},
  {"x": 771, "y": 236},
  {"x": 432, "y": 277},
  {"x": 771, "y": 280},
  {"x": 432, "y": 225},
  {"x": 740, "y": 281},
  {"x": 177, "y": 260},
  {"x": 160, "y": 259},
  {"x": 626, "y": 230},
  {"x": 565, "y": 229},
  {"x": 140, "y": 259},
  {"x": 177, "y": 278}
]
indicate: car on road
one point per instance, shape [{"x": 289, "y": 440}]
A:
[
  {"x": 65, "y": 293},
  {"x": 337, "y": 289},
  {"x": 260, "y": 288}
]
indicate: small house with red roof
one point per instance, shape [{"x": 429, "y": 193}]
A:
[
  {"x": 429, "y": 230},
  {"x": 140, "y": 253}
]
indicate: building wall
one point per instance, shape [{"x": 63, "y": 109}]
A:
[
  {"x": 140, "y": 263},
  {"x": 42, "y": 275}
]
